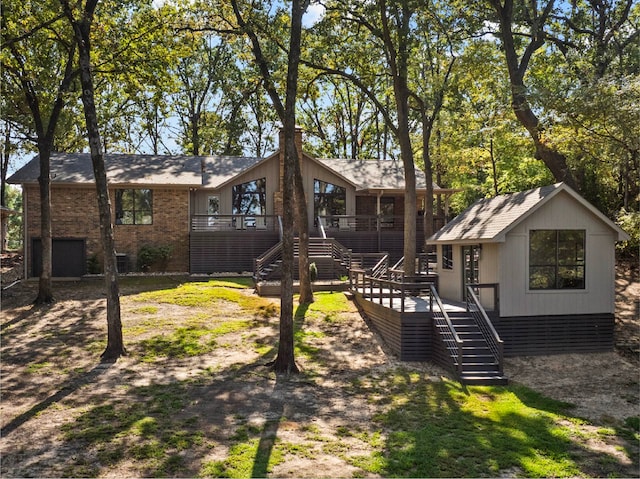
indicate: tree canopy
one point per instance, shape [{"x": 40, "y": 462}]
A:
[{"x": 491, "y": 97}]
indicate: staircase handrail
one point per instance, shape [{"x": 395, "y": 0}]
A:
[
  {"x": 323, "y": 233},
  {"x": 341, "y": 253},
  {"x": 480, "y": 317},
  {"x": 451, "y": 336},
  {"x": 381, "y": 268},
  {"x": 280, "y": 228},
  {"x": 266, "y": 258}
]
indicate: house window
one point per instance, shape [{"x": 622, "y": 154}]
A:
[
  {"x": 329, "y": 200},
  {"x": 556, "y": 259},
  {"x": 134, "y": 207},
  {"x": 250, "y": 198},
  {"x": 213, "y": 205},
  {"x": 447, "y": 256},
  {"x": 387, "y": 210}
]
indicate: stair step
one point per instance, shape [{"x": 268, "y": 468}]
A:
[{"x": 496, "y": 380}]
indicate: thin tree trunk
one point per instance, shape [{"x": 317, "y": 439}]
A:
[
  {"x": 428, "y": 176},
  {"x": 45, "y": 287},
  {"x": 306, "y": 290},
  {"x": 115, "y": 345},
  {"x": 285, "y": 361}
]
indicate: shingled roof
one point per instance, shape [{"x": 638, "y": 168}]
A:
[
  {"x": 207, "y": 171},
  {"x": 367, "y": 175},
  {"x": 152, "y": 170},
  {"x": 488, "y": 220}
]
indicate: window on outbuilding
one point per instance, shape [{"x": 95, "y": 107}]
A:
[
  {"x": 134, "y": 207},
  {"x": 556, "y": 259},
  {"x": 447, "y": 256}
]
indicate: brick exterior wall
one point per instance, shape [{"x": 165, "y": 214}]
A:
[{"x": 75, "y": 215}]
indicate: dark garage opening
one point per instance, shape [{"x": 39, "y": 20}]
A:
[{"x": 68, "y": 257}]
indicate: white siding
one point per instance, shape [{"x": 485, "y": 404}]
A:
[
  {"x": 561, "y": 212},
  {"x": 450, "y": 280}
]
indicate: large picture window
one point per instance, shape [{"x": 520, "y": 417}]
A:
[
  {"x": 556, "y": 259},
  {"x": 134, "y": 207},
  {"x": 329, "y": 200},
  {"x": 250, "y": 198}
]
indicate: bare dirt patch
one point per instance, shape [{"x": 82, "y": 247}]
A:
[{"x": 51, "y": 377}]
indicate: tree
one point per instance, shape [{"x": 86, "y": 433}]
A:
[
  {"x": 82, "y": 30},
  {"x": 517, "y": 65},
  {"x": 39, "y": 64},
  {"x": 292, "y": 191},
  {"x": 387, "y": 27}
]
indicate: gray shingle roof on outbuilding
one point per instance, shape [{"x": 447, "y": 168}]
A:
[{"x": 488, "y": 220}]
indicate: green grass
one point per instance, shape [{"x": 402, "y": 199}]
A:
[
  {"x": 39, "y": 368},
  {"x": 203, "y": 294},
  {"x": 148, "y": 430},
  {"x": 327, "y": 307},
  {"x": 252, "y": 453},
  {"x": 421, "y": 427},
  {"x": 439, "y": 429}
]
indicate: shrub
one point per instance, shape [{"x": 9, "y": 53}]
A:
[
  {"x": 93, "y": 265},
  {"x": 154, "y": 256},
  {"x": 313, "y": 272}
]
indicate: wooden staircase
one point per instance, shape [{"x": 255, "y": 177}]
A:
[
  {"x": 468, "y": 342},
  {"x": 332, "y": 260},
  {"x": 479, "y": 365}
]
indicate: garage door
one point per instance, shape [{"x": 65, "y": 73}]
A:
[{"x": 68, "y": 257}]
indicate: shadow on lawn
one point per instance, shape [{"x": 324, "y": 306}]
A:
[
  {"x": 69, "y": 388},
  {"x": 430, "y": 428},
  {"x": 441, "y": 430}
]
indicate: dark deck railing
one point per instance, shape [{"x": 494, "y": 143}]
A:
[
  {"x": 446, "y": 330},
  {"x": 263, "y": 265},
  {"x": 495, "y": 287},
  {"x": 479, "y": 315},
  {"x": 369, "y": 222},
  {"x": 234, "y": 222},
  {"x": 377, "y": 289}
]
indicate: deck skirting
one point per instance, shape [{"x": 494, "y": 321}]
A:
[
  {"x": 539, "y": 335},
  {"x": 409, "y": 335}
]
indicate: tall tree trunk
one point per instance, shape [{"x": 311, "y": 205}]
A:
[
  {"x": 428, "y": 176},
  {"x": 398, "y": 60},
  {"x": 82, "y": 28},
  {"x": 45, "y": 286},
  {"x": 555, "y": 161},
  {"x": 285, "y": 361},
  {"x": 306, "y": 290}
]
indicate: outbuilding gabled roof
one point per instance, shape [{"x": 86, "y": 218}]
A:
[{"x": 488, "y": 220}]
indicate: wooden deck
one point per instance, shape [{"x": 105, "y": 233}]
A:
[{"x": 412, "y": 304}]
